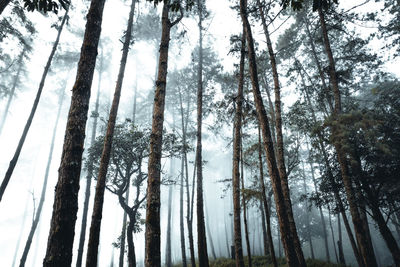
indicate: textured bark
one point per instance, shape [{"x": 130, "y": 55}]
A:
[
  {"x": 61, "y": 236},
  {"x": 12, "y": 91},
  {"x": 244, "y": 204},
  {"x": 28, "y": 123},
  {"x": 94, "y": 234},
  {"x": 264, "y": 230},
  {"x": 152, "y": 234},
  {"x": 201, "y": 231},
  {"x": 340, "y": 242},
  {"x": 44, "y": 186},
  {"x": 265, "y": 203},
  {"x": 236, "y": 162},
  {"x": 279, "y": 147},
  {"x": 366, "y": 254},
  {"x": 168, "y": 260},
  {"x": 281, "y": 208},
  {"x": 89, "y": 174}
]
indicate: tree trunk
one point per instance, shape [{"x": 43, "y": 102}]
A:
[
  {"x": 21, "y": 142},
  {"x": 188, "y": 199},
  {"x": 89, "y": 175},
  {"x": 181, "y": 219},
  {"x": 281, "y": 208},
  {"x": 131, "y": 245},
  {"x": 264, "y": 230},
  {"x": 3, "y": 5},
  {"x": 152, "y": 235},
  {"x": 340, "y": 242},
  {"x": 332, "y": 233},
  {"x": 367, "y": 255},
  {"x": 123, "y": 231},
  {"x": 94, "y": 235},
  {"x": 244, "y": 204},
  {"x": 321, "y": 214},
  {"x": 13, "y": 87},
  {"x": 168, "y": 260},
  {"x": 201, "y": 231},
  {"x": 236, "y": 161},
  {"x": 307, "y": 213},
  {"x": 44, "y": 186},
  {"x": 265, "y": 202}
]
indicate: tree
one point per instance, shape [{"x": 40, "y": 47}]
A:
[
  {"x": 28, "y": 123},
  {"x": 152, "y": 235},
  {"x": 61, "y": 236},
  {"x": 94, "y": 235}
]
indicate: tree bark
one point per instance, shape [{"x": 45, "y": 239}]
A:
[
  {"x": 13, "y": 87},
  {"x": 340, "y": 242},
  {"x": 89, "y": 175},
  {"x": 61, "y": 236},
  {"x": 152, "y": 235},
  {"x": 28, "y": 123},
  {"x": 281, "y": 208},
  {"x": 44, "y": 186},
  {"x": 265, "y": 202},
  {"x": 168, "y": 260},
  {"x": 367, "y": 256},
  {"x": 201, "y": 231},
  {"x": 94, "y": 235},
  {"x": 236, "y": 161}
]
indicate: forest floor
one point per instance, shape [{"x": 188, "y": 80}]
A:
[{"x": 262, "y": 261}]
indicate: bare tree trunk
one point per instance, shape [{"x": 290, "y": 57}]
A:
[
  {"x": 201, "y": 231},
  {"x": 44, "y": 186},
  {"x": 89, "y": 175},
  {"x": 340, "y": 242},
  {"x": 28, "y": 123},
  {"x": 244, "y": 204},
  {"x": 13, "y": 87},
  {"x": 123, "y": 231},
  {"x": 152, "y": 234},
  {"x": 236, "y": 161},
  {"x": 3, "y": 5},
  {"x": 264, "y": 230},
  {"x": 131, "y": 245},
  {"x": 368, "y": 257},
  {"x": 94, "y": 235},
  {"x": 281, "y": 208},
  {"x": 307, "y": 214},
  {"x": 265, "y": 202},
  {"x": 168, "y": 260},
  {"x": 181, "y": 219},
  {"x": 61, "y": 236}
]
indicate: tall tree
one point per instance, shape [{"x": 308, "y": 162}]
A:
[
  {"x": 152, "y": 235},
  {"x": 28, "y": 123},
  {"x": 284, "y": 223},
  {"x": 94, "y": 235},
  {"x": 38, "y": 213},
  {"x": 61, "y": 236}
]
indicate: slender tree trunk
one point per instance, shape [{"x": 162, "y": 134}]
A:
[
  {"x": 13, "y": 87},
  {"x": 265, "y": 202},
  {"x": 332, "y": 233},
  {"x": 340, "y": 242},
  {"x": 279, "y": 140},
  {"x": 28, "y": 123},
  {"x": 264, "y": 230},
  {"x": 321, "y": 214},
  {"x": 44, "y": 186},
  {"x": 236, "y": 161},
  {"x": 89, "y": 175},
  {"x": 188, "y": 207},
  {"x": 307, "y": 214},
  {"x": 209, "y": 233},
  {"x": 281, "y": 208},
  {"x": 181, "y": 219},
  {"x": 201, "y": 231},
  {"x": 244, "y": 204},
  {"x": 152, "y": 234},
  {"x": 94, "y": 235},
  {"x": 168, "y": 260},
  {"x": 368, "y": 257},
  {"x": 131, "y": 245}
]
